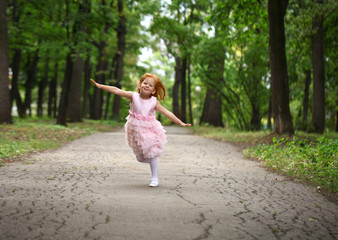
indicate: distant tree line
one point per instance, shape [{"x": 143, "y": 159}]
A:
[{"x": 246, "y": 65}]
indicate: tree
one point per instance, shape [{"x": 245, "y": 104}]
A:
[
  {"x": 52, "y": 96},
  {"x": 62, "y": 111},
  {"x": 102, "y": 60},
  {"x": 179, "y": 36},
  {"x": 311, "y": 52},
  {"x": 32, "y": 65},
  {"x": 5, "y": 111},
  {"x": 42, "y": 85},
  {"x": 119, "y": 56},
  {"x": 212, "y": 110},
  {"x": 278, "y": 66},
  {"x": 318, "y": 97},
  {"x": 16, "y": 61},
  {"x": 75, "y": 92}
]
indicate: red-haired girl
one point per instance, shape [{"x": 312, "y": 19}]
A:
[{"x": 144, "y": 134}]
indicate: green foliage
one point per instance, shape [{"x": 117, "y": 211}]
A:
[
  {"x": 299, "y": 32},
  {"x": 315, "y": 162},
  {"x": 186, "y": 28}
]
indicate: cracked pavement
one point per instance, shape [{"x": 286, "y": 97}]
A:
[{"x": 93, "y": 188}]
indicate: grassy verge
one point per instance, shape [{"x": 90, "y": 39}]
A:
[
  {"x": 27, "y": 136},
  {"x": 243, "y": 138},
  {"x": 310, "y": 158}
]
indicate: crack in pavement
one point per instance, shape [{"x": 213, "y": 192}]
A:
[{"x": 93, "y": 188}]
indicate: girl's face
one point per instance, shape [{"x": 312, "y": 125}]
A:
[{"x": 147, "y": 87}]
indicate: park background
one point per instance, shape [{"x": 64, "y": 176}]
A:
[{"x": 254, "y": 67}]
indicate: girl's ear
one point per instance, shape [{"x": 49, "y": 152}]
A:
[
  {"x": 153, "y": 92},
  {"x": 139, "y": 85}
]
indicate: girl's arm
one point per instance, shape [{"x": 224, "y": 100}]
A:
[
  {"x": 114, "y": 90},
  {"x": 170, "y": 115}
]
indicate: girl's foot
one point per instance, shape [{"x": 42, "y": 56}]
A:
[{"x": 153, "y": 183}]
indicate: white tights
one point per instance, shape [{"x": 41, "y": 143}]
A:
[{"x": 153, "y": 166}]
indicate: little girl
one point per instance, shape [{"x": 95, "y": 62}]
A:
[{"x": 144, "y": 134}]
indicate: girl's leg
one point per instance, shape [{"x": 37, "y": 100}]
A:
[{"x": 154, "y": 168}]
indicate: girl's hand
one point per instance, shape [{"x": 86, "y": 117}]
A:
[
  {"x": 185, "y": 125},
  {"x": 95, "y": 83}
]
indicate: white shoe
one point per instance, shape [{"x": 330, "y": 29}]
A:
[{"x": 153, "y": 183}]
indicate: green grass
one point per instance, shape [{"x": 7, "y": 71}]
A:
[
  {"x": 312, "y": 161},
  {"x": 26, "y": 136},
  {"x": 229, "y": 136},
  {"x": 311, "y": 158}
]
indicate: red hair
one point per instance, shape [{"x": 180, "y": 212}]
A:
[{"x": 159, "y": 87}]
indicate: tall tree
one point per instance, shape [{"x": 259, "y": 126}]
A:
[
  {"x": 63, "y": 103},
  {"x": 87, "y": 73},
  {"x": 212, "y": 109},
  {"x": 52, "y": 96},
  {"x": 102, "y": 61},
  {"x": 62, "y": 111},
  {"x": 278, "y": 66},
  {"x": 306, "y": 99},
  {"x": 16, "y": 61},
  {"x": 121, "y": 43},
  {"x": 179, "y": 38},
  {"x": 75, "y": 92},
  {"x": 318, "y": 97},
  {"x": 30, "y": 81},
  {"x": 5, "y": 111},
  {"x": 15, "y": 95},
  {"x": 42, "y": 85}
]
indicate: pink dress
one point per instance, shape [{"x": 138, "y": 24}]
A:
[{"x": 144, "y": 134}]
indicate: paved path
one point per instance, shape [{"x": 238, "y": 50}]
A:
[{"x": 94, "y": 188}]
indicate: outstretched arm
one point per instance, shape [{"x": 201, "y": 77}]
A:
[
  {"x": 170, "y": 115},
  {"x": 114, "y": 90}
]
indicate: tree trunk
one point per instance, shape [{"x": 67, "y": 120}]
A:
[
  {"x": 189, "y": 96},
  {"x": 52, "y": 101},
  {"x": 176, "y": 87},
  {"x": 270, "y": 113},
  {"x": 74, "y": 105},
  {"x": 96, "y": 108},
  {"x": 110, "y": 82},
  {"x": 87, "y": 73},
  {"x": 121, "y": 43},
  {"x": 279, "y": 76},
  {"x": 42, "y": 85},
  {"x": 255, "y": 123},
  {"x": 306, "y": 100},
  {"x": 62, "y": 112},
  {"x": 5, "y": 110},
  {"x": 212, "y": 109},
  {"x": 318, "y": 98},
  {"x": 184, "y": 91},
  {"x": 15, "y": 94},
  {"x": 31, "y": 78}
]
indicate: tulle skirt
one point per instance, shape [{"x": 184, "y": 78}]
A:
[{"x": 145, "y": 137}]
